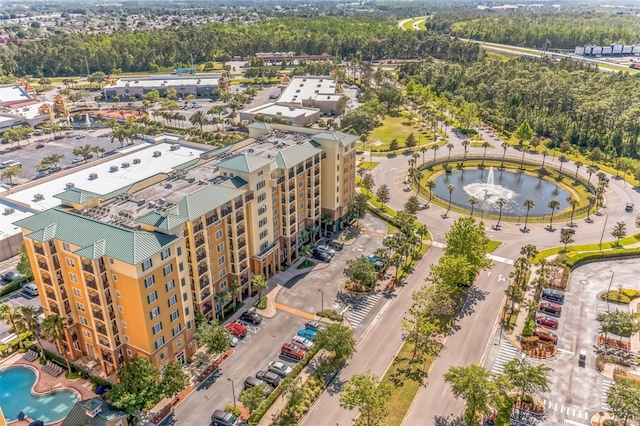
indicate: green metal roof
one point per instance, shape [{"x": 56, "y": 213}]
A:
[
  {"x": 294, "y": 154},
  {"x": 343, "y": 138},
  {"x": 244, "y": 163},
  {"x": 80, "y": 196},
  {"x": 234, "y": 182},
  {"x": 187, "y": 164},
  {"x": 95, "y": 238},
  {"x": 259, "y": 125},
  {"x": 78, "y": 415},
  {"x": 192, "y": 206}
]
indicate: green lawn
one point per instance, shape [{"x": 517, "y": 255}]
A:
[
  {"x": 368, "y": 165},
  {"x": 493, "y": 245},
  {"x": 572, "y": 250},
  {"x": 397, "y": 128},
  {"x": 409, "y": 24}
]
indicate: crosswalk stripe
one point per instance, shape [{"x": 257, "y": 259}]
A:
[{"x": 356, "y": 314}]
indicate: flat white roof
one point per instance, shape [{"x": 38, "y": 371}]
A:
[
  {"x": 303, "y": 88},
  {"x": 282, "y": 110},
  {"x": 13, "y": 94},
  {"x": 29, "y": 111},
  {"x": 108, "y": 181},
  {"x": 7, "y": 228},
  {"x": 7, "y": 118},
  {"x": 166, "y": 82}
]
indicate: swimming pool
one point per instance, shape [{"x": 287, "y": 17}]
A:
[{"x": 16, "y": 396}]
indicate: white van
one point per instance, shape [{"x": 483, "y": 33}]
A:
[
  {"x": 7, "y": 163},
  {"x": 30, "y": 289}
]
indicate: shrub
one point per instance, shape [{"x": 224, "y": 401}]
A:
[
  {"x": 527, "y": 398},
  {"x": 600, "y": 363},
  {"x": 72, "y": 375},
  {"x": 615, "y": 296},
  {"x": 15, "y": 345},
  {"x": 261, "y": 303},
  {"x": 331, "y": 314},
  {"x": 527, "y": 331},
  {"x": 630, "y": 293},
  {"x": 13, "y": 286},
  {"x": 230, "y": 408}
]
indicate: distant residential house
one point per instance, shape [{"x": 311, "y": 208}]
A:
[{"x": 95, "y": 412}]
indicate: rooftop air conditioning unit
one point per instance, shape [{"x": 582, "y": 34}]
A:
[
  {"x": 157, "y": 153},
  {"x": 93, "y": 176},
  {"x": 175, "y": 146},
  {"x": 168, "y": 185},
  {"x": 113, "y": 168},
  {"x": 9, "y": 210},
  {"x": 142, "y": 202},
  {"x": 125, "y": 165},
  {"x": 200, "y": 182},
  {"x": 151, "y": 204},
  {"x": 161, "y": 201},
  {"x": 70, "y": 185},
  {"x": 39, "y": 197},
  {"x": 136, "y": 161}
]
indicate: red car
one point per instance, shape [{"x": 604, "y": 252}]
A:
[
  {"x": 236, "y": 329},
  {"x": 551, "y": 308},
  {"x": 292, "y": 351},
  {"x": 546, "y": 335},
  {"x": 40, "y": 145},
  {"x": 547, "y": 321}
]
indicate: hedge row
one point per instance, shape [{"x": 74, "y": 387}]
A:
[
  {"x": 14, "y": 345},
  {"x": 257, "y": 415},
  {"x": 576, "y": 260},
  {"x": 62, "y": 362},
  {"x": 13, "y": 286}
]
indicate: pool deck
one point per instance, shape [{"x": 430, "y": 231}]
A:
[{"x": 46, "y": 383}]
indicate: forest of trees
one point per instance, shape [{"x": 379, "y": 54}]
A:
[
  {"x": 554, "y": 30},
  {"x": 67, "y": 55},
  {"x": 563, "y": 101}
]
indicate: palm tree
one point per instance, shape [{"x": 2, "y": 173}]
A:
[
  {"x": 528, "y": 203},
  {"x": 234, "y": 288},
  {"x": 423, "y": 231},
  {"x": 259, "y": 284},
  {"x": 29, "y": 317},
  {"x": 53, "y": 328},
  {"x": 473, "y": 201},
  {"x": 553, "y": 205},
  {"x": 591, "y": 170},
  {"x": 544, "y": 157},
  {"x": 327, "y": 219},
  {"x": 578, "y": 165},
  {"x": 12, "y": 317},
  {"x": 573, "y": 203},
  {"x": 450, "y": 188},
  {"x": 504, "y": 152},
  {"x": 450, "y": 146},
  {"x": 465, "y": 144},
  {"x": 306, "y": 252},
  {"x": 199, "y": 119},
  {"x": 223, "y": 300},
  {"x": 435, "y": 149},
  {"x": 501, "y": 203},
  {"x": 485, "y": 145},
  {"x": 591, "y": 199},
  {"x": 430, "y": 184},
  {"x": 423, "y": 150},
  {"x": 97, "y": 150}
]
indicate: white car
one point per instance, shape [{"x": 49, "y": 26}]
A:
[
  {"x": 326, "y": 249},
  {"x": 302, "y": 342},
  {"x": 280, "y": 368}
]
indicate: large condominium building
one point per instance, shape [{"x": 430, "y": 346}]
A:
[{"x": 129, "y": 261}]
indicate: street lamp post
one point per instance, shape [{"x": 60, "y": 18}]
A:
[
  {"x": 609, "y": 289},
  {"x": 603, "y": 228},
  {"x": 321, "y": 299},
  {"x": 233, "y": 390}
]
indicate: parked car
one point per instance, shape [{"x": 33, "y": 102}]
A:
[
  {"x": 252, "y": 382},
  {"x": 292, "y": 351},
  {"x": 10, "y": 276},
  {"x": 556, "y": 296},
  {"x": 40, "y": 145},
  {"x": 568, "y": 229},
  {"x": 306, "y": 333},
  {"x": 233, "y": 341},
  {"x": 31, "y": 289},
  {"x": 222, "y": 418},
  {"x": 551, "y": 308},
  {"x": 269, "y": 377},
  {"x": 280, "y": 368},
  {"x": 58, "y": 137},
  {"x": 629, "y": 207},
  {"x": 81, "y": 136},
  {"x": 274, "y": 96},
  {"x": 252, "y": 317},
  {"x": 236, "y": 329},
  {"x": 302, "y": 342},
  {"x": 314, "y": 325},
  {"x": 337, "y": 245},
  {"x": 9, "y": 163},
  {"x": 322, "y": 256},
  {"x": 326, "y": 249},
  {"x": 424, "y": 206},
  {"x": 546, "y": 335},
  {"x": 547, "y": 321}
]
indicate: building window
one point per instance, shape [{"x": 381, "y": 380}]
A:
[
  {"x": 159, "y": 342},
  {"x": 76, "y": 345},
  {"x": 165, "y": 253},
  {"x": 262, "y": 210},
  {"x": 301, "y": 216},
  {"x": 275, "y": 223},
  {"x": 146, "y": 264},
  {"x": 180, "y": 266},
  {"x": 111, "y": 261},
  {"x": 264, "y": 234},
  {"x": 178, "y": 343},
  {"x": 176, "y": 329},
  {"x": 124, "y": 324},
  {"x": 162, "y": 356},
  {"x": 274, "y": 200},
  {"x": 174, "y": 315},
  {"x": 170, "y": 285},
  {"x": 172, "y": 300},
  {"x": 185, "y": 296},
  {"x": 66, "y": 246},
  {"x": 186, "y": 311},
  {"x": 221, "y": 260},
  {"x": 188, "y": 325},
  {"x": 168, "y": 269},
  {"x": 86, "y": 334},
  {"x": 261, "y": 185},
  {"x": 157, "y": 328},
  {"x": 262, "y": 197},
  {"x": 262, "y": 222},
  {"x": 275, "y": 212},
  {"x": 120, "y": 308},
  {"x": 152, "y": 297},
  {"x": 71, "y": 263},
  {"x": 218, "y": 234},
  {"x": 183, "y": 282},
  {"x": 83, "y": 321},
  {"x": 114, "y": 277},
  {"x": 222, "y": 273},
  {"x": 76, "y": 292},
  {"x": 80, "y": 306},
  {"x": 220, "y": 247},
  {"x": 154, "y": 312},
  {"x": 73, "y": 277},
  {"x": 300, "y": 206},
  {"x": 276, "y": 234},
  {"x": 264, "y": 246},
  {"x": 149, "y": 281},
  {"x": 179, "y": 251},
  {"x": 129, "y": 353}
]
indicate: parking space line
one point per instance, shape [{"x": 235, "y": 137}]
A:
[{"x": 295, "y": 311}]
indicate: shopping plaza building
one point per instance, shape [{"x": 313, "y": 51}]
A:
[{"x": 130, "y": 248}]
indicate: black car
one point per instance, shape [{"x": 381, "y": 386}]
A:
[
  {"x": 320, "y": 255},
  {"x": 269, "y": 377},
  {"x": 251, "y": 317},
  {"x": 337, "y": 245}
]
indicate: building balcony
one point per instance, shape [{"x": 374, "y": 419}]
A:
[
  {"x": 47, "y": 281},
  {"x": 106, "y": 356},
  {"x": 88, "y": 268},
  {"x": 105, "y": 282},
  {"x": 112, "y": 314},
  {"x": 205, "y": 293},
  {"x": 55, "y": 310},
  {"x": 104, "y": 342},
  {"x": 241, "y": 244},
  {"x": 51, "y": 295},
  {"x": 239, "y": 218},
  {"x": 243, "y": 266},
  {"x": 60, "y": 280},
  {"x": 201, "y": 256},
  {"x": 98, "y": 315},
  {"x": 39, "y": 250},
  {"x": 204, "y": 283},
  {"x": 70, "y": 320},
  {"x": 91, "y": 284},
  {"x": 200, "y": 242},
  {"x": 198, "y": 228},
  {"x": 43, "y": 266},
  {"x": 56, "y": 264},
  {"x": 203, "y": 270},
  {"x": 67, "y": 308},
  {"x": 52, "y": 247},
  {"x": 102, "y": 330},
  {"x": 225, "y": 211},
  {"x": 102, "y": 266},
  {"x": 240, "y": 230},
  {"x": 95, "y": 300},
  {"x": 114, "y": 329}
]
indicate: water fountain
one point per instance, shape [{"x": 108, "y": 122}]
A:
[
  {"x": 87, "y": 121},
  {"x": 488, "y": 192}
]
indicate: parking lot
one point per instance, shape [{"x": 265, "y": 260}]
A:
[
  {"x": 29, "y": 155},
  {"x": 18, "y": 299}
]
